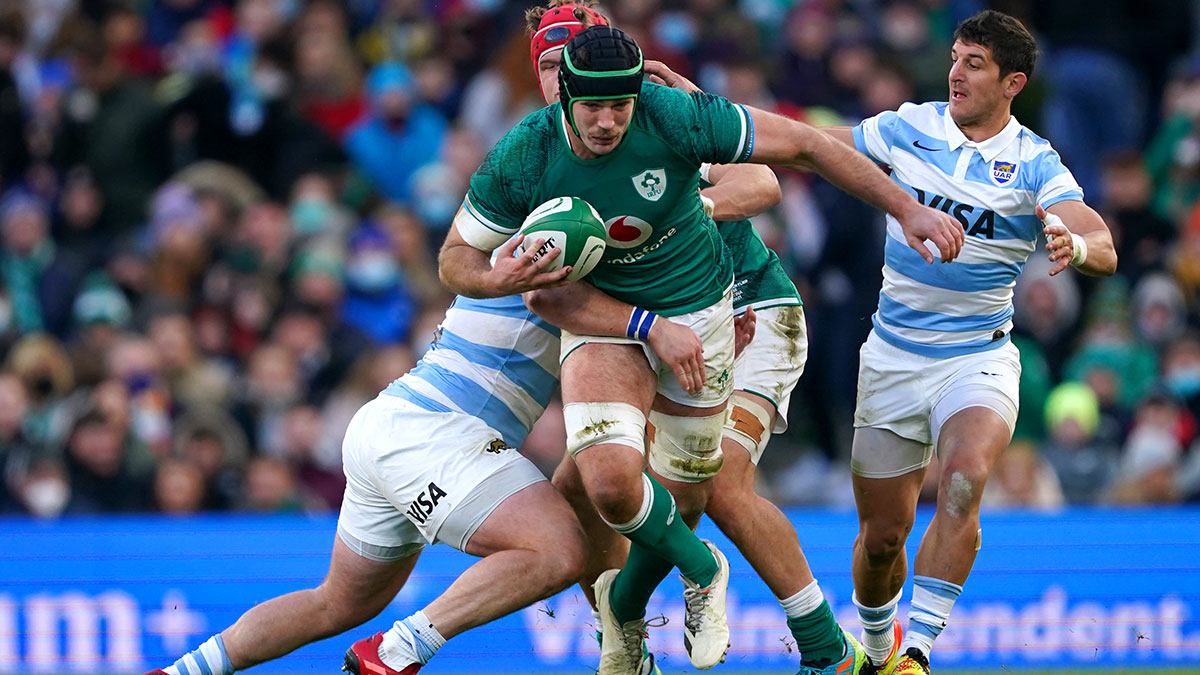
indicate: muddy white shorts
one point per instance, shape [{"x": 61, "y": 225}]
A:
[{"x": 771, "y": 365}]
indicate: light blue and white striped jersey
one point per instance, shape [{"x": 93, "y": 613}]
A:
[
  {"x": 992, "y": 188},
  {"x": 493, "y": 359}
]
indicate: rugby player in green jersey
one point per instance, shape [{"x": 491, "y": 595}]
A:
[
  {"x": 765, "y": 373},
  {"x": 633, "y": 150}
]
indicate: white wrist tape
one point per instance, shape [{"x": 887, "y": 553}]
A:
[
  {"x": 709, "y": 205},
  {"x": 1079, "y": 246}
]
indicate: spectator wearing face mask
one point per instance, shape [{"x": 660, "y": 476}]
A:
[
  {"x": 398, "y": 135},
  {"x": 377, "y": 302},
  {"x": 45, "y": 491},
  {"x": 1181, "y": 371}
]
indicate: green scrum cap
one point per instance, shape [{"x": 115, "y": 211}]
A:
[{"x": 599, "y": 63}]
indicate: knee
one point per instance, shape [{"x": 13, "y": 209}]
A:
[
  {"x": 341, "y": 615},
  {"x": 612, "y": 495},
  {"x": 882, "y": 543},
  {"x": 960, "y": 488}
]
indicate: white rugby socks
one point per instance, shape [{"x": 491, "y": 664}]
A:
[
  {"x": 877, "y": 638},
  {"x": 409, "y": 641},
  {"x": 209, "y": 658},
  {"x": 931, "y": 604}
]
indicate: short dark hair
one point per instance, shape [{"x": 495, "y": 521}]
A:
[{"x": 1013, "y": 47}]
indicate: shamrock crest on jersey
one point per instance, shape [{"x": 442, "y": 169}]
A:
[{"x": 651, "y": 183}]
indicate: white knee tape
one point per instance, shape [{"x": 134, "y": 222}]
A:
[
  {"x": 686, "y": 449},
  {"x": 749, "y": 426},
  {"x": 591, "y": 424}
]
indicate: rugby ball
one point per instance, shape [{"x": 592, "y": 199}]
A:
[{"x": 571, "y": 225}]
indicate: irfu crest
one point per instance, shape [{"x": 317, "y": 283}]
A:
[{"x": 651, "y": 183}]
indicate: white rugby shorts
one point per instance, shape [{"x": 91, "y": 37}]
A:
[
  {"x": 913, "y": 395},
  {"x": 771, "y": 365},
  {"x": 414, "y": 476}
]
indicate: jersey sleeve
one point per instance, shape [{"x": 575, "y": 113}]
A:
[
  {"x": 875, "y": 136},
  {"x": 501, "y": 189},
  {"x": 701, "y": 126},
  {"x": 1053, "y": 181}
]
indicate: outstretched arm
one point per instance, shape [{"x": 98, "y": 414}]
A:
[
  {"x": 1077, "y": 235},
  {"x": 779, "y": 140}
]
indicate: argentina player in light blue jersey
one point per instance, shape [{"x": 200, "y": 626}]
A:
[
  {"x": 938, "y": 370},
  {"x": 433, "y": 459}
]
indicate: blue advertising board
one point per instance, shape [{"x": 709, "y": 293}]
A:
[{"x": 1074, "y": 590}]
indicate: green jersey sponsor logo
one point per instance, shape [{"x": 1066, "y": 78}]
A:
[{"x": 627, "y": 231}]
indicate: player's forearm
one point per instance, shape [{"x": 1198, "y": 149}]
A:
[
  {"x": 798, "y": 146},
  {"x": 853, "y": 172},
  {"x": 742, "y": 191},
  {"x": 581, "y": 309},
  {"x": 464, "y": 270},
  {"x": 1101, "y": 259}
]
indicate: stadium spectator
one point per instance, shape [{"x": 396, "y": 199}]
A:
[
  {"x": 1022, "y": 478},
  {"x": 211, "y": 440},
  {"x": 398, "y": 136},
  {"x": 104, "y": 474},
  {"x": 1153, "y": 453},
  {"x": 1083, "y": 465},
  {"x": 301, "y": 433},
  {"x": 111, "y": 125},
  {"x": 377, "y": 301},
  {"x": 178, "y": 487},
  {"x": 14, "y": 150},
  {"x": 271, "y": 487}
]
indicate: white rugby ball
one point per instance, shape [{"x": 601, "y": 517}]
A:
[{"x": 571, "y": 225}]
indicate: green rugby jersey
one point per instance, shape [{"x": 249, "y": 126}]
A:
[
  {"x": 759, "y": 280},
  {"x": 664, "y": 253}
]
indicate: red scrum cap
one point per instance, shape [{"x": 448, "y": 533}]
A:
[{"x": 557, "y": 26}]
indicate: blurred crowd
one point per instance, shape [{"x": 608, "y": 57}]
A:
[{"x": 220, "y": 219}]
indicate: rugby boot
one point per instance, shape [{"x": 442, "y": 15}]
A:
[
  {"x": 889, "y": 664},
  {"x": 363, "y": 659},
  {"x": 646, "y": 655},
  {"x": 705, "y": 628},
  {"x": 855, "y": 662},
  {"x": 622, "y": 646},
  {"x": 912, "y": 663}
]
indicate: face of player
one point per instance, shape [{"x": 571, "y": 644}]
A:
[
  {"x": 601, "y": 124},
  {"x": 548, "y": 75},
  {"x": 979, "y": 96}
]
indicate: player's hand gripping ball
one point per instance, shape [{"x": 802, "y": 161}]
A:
[{"x": 570, "y": 225}]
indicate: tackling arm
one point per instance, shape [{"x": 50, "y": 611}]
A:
[{"x": 585, "y": 310}]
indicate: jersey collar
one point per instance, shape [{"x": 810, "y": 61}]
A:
[{"x": 988, "y": 149}]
